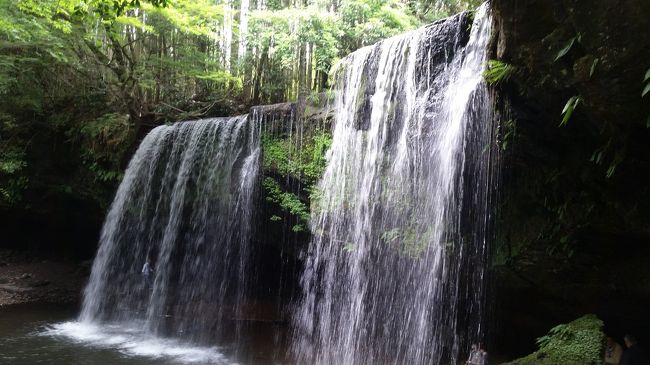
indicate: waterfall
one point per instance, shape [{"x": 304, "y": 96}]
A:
[
  {"x": 395, "y": 270},
  {"x": 186, "y": 205}
]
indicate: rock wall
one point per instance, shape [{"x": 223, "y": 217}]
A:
[{"x": 573, "y": 233}]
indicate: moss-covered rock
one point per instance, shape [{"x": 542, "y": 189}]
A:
[{"x": 576, "y": 343}]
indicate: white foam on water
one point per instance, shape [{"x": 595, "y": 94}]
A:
[{"x": 133, "y": 342}]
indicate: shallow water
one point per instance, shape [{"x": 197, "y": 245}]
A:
[{"x": 39, "y": 334}]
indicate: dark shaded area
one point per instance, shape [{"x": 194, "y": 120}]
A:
[
  {"x": 69, "y": 228},
  {"x": 573, "y": 230}
]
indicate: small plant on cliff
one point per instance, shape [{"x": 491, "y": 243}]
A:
[
  {"x": 288, "y": 201},
  {"x": 568, "y": 46},
  {"x": 646, "y": 80},
  {"x": 577, "y": 343},
  {"x": 646, "y": 90},
  {"x": 497, "y": 72},
  {"x": 569, "y": 108},
  {"x": 508, "y": 132},
  {"x": 306, "y": 162}
]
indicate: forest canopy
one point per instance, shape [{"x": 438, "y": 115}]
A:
[{"x": 82, "y": 81}]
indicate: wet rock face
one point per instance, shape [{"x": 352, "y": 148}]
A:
[
  {"x": 611, "y": 36},
  {"x": 573, "y": 231}
]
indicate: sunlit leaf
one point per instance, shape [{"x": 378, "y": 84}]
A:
[
  {"x": 593, "y": 67},
  {"x": 566, "y": 49},
  {"x": 569, "y": 108},
  {"x": 645, "y": 90}
]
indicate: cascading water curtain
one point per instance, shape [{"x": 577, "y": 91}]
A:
[
  {"x": 186, "y": 206},
  {"x": 395, "y": 271}
]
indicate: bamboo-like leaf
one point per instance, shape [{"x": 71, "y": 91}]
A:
[
  {"x": 647, "y": 76},
  {"x": 646, "y": 90},
  {"x": 566, "y": 49},
  {"x": 647, "y": 122},
  {"x": 593, "y": 67},
  {"x": 570, "y": 106},
  {"x": 611, "y": 170}
]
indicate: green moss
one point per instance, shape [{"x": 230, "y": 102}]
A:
[
  {"x": 289, "y": 202},
  {"x": 304, "y": 162},
  {"x": 577, "y": 343}
]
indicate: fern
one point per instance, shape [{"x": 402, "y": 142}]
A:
[
  {"x": 577, "y": 342},
  {"x": 497, "y": 72}
]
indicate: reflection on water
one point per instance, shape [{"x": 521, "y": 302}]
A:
[
  {"x": 51, "y": 335},
  {"x": 133, "y": 342}
]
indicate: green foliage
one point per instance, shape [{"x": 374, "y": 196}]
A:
[
  {"x": 411, "y": 241},
  {"x": 104, "y": 140},
  {"x": 508, "y": 133},
  {"x": 569, "y": 108},
  {"x": 304, "y": 162},
  {"x": 497, "y": 72},
  {"x": 434, "y": 9},
  {"x": 289, "y": 202},
  {"x": 281, "y": 39},
  {"x": 364, "y": 22},
  {"x": 87, "y": 79},
  {"x": 577, "y": 343},
  {"x": 88, "y": 75},
  {"x": 12, "y": 162}
]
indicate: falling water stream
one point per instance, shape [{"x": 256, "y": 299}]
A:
[
  {"x": 186, "y": 206},
  {"x": 394, "y": 271}
]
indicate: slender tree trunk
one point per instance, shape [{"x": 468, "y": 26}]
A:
[
  {"x": 308, "y": 60},
  {"x": 243, "y": 30},
  {"x": 227, "y": 34},
  {"x": 302, "y": 80},
  {"x": 260, "y": 73}
]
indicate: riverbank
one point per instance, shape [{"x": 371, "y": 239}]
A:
[{"x": 25, "y": 278}]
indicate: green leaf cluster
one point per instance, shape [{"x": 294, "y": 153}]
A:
[
  {"x": 82, "y": 81},
  {"x": 303, "y": 162},
  {"x": 289, "y": 202},
  {"x": 497, "y": 72},
  {"x": 576, "y": 343},
  {"x": 569, "y": 108},
  {"x": 411, "y": 241}
]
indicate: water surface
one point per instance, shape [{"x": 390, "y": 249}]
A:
[{"x": 46, "y": 334}]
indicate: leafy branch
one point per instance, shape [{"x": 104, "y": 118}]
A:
[{"x": 569, "y": 108}]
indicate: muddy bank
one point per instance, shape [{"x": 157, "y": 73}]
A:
[{"x": 25, "y": 278}]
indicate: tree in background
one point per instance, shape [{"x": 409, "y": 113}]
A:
[{"x": 82, "y": 81}]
